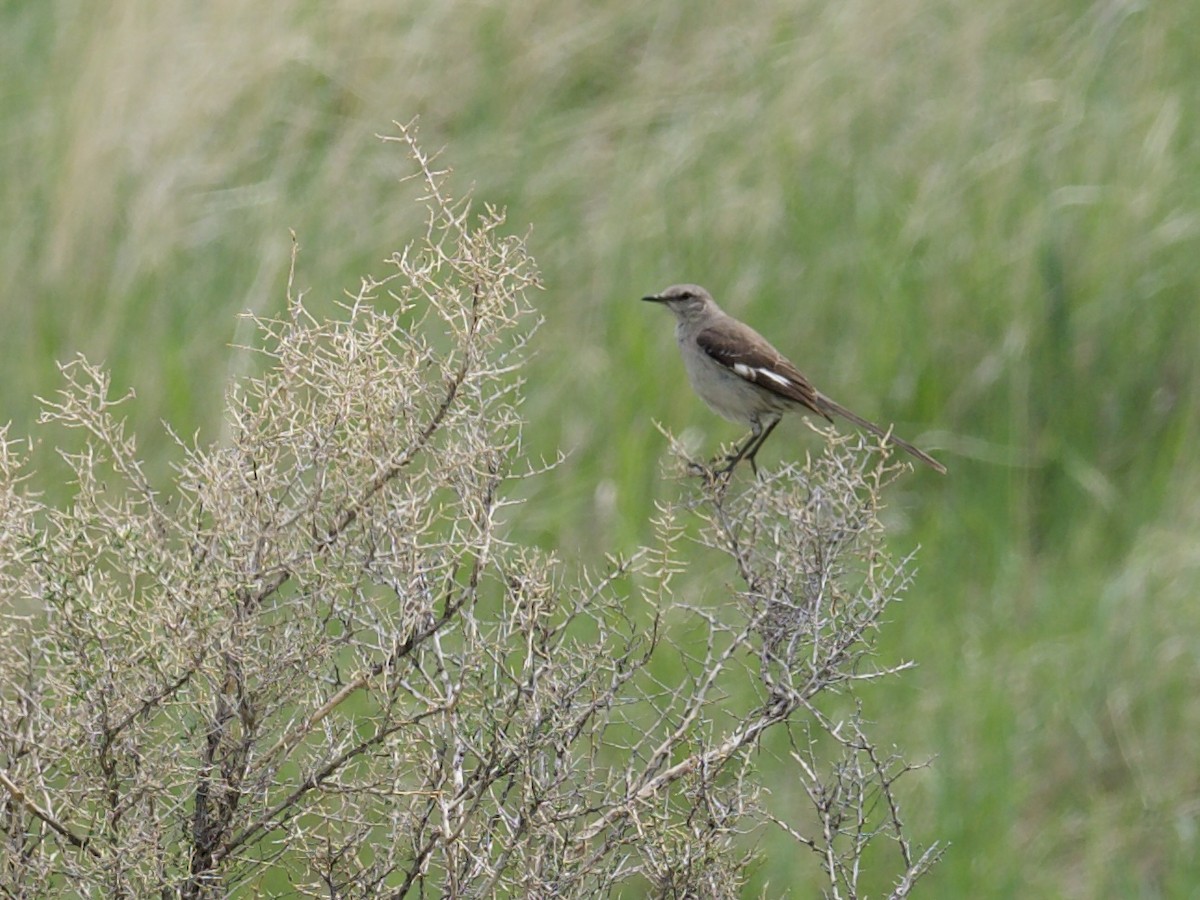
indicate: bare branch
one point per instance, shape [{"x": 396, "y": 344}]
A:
[{"x": 22, "y": 798}]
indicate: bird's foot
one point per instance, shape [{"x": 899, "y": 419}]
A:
[{"x": 713, "y": 473}]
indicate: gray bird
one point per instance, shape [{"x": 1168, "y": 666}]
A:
[{"x": 737, "y": 372}]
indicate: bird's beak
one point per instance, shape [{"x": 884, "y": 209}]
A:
[{"x": 654, "y": 298}]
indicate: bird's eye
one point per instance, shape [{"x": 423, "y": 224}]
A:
[{"x": 686, "y": 295}]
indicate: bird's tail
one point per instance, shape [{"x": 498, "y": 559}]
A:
[{"x": 830, "y": 406}]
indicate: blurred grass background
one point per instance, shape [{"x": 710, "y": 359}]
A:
[{"x": 979, "y": 221}]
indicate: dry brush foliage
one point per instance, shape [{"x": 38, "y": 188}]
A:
[{"x": 317, "y": 666}]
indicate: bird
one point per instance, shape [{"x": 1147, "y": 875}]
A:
[{"x": 743, "y": 378}]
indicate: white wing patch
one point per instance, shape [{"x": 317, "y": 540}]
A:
[
  {"x": 775, "y": 377},
  {"x": 758, "y": 374}
]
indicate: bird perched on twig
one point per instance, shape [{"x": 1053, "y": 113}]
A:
[{"x": 737, "y": 372}]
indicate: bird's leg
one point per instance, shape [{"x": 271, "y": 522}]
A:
[
  {"x": 739, "y": 452},
  {"x": 750, "y": 448},
  {"x": 762, "y": 439},
  {"x": 732, "y": 459}
]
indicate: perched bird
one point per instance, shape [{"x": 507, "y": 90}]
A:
[{"x": 737, "y": 372}]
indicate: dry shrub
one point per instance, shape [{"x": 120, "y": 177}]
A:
[{"x": 317, "y": 665}]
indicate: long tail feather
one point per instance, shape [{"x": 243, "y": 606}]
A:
[{"x": 834, "y": 407}]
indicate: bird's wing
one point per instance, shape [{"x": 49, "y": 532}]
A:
[{"x": 749, "y": 356}]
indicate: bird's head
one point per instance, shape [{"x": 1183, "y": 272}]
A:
[{"x": 687, "y": 301}]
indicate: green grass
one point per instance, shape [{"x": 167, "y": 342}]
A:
[{"x": 979, "y": 221}]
